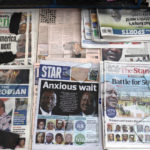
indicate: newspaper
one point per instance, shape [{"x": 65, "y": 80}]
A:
[
  {"x": 64, "y": 118},
  {"x": 124, "y": 23},
  {"x": 15, "y": 102},
  {"x": 18, "y": 34},
  {"x": 87, "y": 24},
  {"x": 59, "y": 35},
  {"x": 126, "y": 54},
  {"x": 126, "y": 105},
  {"x": 102, "y": 43}
]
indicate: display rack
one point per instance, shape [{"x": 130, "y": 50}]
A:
[{"x": 72, "y": 3}]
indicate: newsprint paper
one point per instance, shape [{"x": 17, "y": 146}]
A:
[
  {"x": 18, "y": 34},
  {"x": 92, "y": 23},
  {"x": 60, "y": 35},
  {"x": 15, "y": 99},
  {"x": 124, "y": 22},
  {"x": 127, "y": 105},
  {"x": 67, "y": 107}
]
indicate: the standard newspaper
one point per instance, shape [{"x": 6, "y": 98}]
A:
[
  {"x": 67, "y": 106},
  {"x": 126, "y": 105},
  {"x": 15, "y": 103},
  {"x": 18, "y": 35},
  {"x": 124, "y": 22}
]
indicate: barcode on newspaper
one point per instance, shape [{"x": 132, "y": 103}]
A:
[
  {"x": 48, "y": 16},
  {"x": 107, "y": 31}
]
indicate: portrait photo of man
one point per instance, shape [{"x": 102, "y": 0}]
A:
[
  {"x": 59, "y": 125},
  {"x": 88, "y": 105},
  {"x": 111, "y": 96},
  {"x": 49, "y": 138},
  {"x": 50, "y": 125},
  {"x": 21, "y": 104},
  {"x": 124, "y": 128},
  {"x": 48, "y": 102},
  {"x": 117, "y": 137},
  {"x": 131, "y": 138},
  {"x": 124, "y": 137},
  {"x": 118, "y": 128},
  {"x": 68, "y": 139},
  {"x": 110, "y": 137},
  {"x": 111, "y": 54}
]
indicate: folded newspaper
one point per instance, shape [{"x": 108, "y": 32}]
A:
[
  {"x": 126, "y": 105},
  {"x": 67, "y": 106},
  {"x": 96, "y": 41},
  {"x": 18, "y": 35},
  {"x": 124, "y": 22}
]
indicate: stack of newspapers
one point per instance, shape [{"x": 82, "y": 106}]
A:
[
  {"x": 114, "y": 26},
  {"x": 73, "y": 79}
]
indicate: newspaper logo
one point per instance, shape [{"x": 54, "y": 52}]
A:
[
  {"x": 54, "y": 72},
  {"x": 113, "y": 68},
  {"x": 48, "y": 16},
  {"x": 80, "y": 125},
  {"x": 80, "y": 139},
  {"x": 111, "y": 112}
]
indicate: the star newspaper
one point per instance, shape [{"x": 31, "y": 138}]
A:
[
  {"x": 126, "y": 105},
  {"x": 16, "y": 101},
  {"x": 67, "y": 106},
  {"x": 124, "y": 23},
  {"x": 18, "y": 34},
  {"x": 90, "y": 34}
]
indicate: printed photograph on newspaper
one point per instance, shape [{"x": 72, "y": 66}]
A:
[
  {"x": 18, "y": 35},
  {"x": 15, "y": 102},
  {"x": 126, "y": 54},
  {"x": 126, "y": 105},
  {"x": 67, "y": 105}
]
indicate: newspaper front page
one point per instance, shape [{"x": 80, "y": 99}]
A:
[
  {"x": 70, "y": 117},
  {"x": 15, "y": 103},
  {"x": 126, "y": 105},
  {"x": 124, "y": 22},
  {"x": 18, "y": 34}
]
